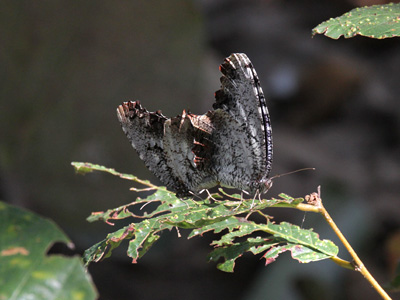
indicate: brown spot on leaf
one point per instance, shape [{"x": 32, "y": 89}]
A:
[{"x": 14, "y": 251}]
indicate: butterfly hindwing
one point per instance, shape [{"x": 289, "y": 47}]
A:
[
  {"x": 176, "y": 150},
  {"x": 145, "y": 131},
  {"x": 188, "y": 150}
]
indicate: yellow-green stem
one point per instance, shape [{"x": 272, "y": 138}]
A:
[
  {"x": 343, "y": 263},
  {"x": 358, "y": 264}
]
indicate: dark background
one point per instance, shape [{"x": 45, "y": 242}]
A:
[{"x": 66, "y": 66}]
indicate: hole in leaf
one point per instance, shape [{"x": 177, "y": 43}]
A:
[{"x": 62, "y": 248}]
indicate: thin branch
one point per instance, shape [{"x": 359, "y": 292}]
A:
[
  {"x": 300, "y": 206},
  {"x": 358, "y": 265}
]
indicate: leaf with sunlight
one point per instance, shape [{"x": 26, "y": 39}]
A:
[{"x": 230, "y": 219}]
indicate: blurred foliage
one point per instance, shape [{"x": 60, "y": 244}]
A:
[
  {"x": 394, "y": 285},
  {"x": 26, "y": 271}
]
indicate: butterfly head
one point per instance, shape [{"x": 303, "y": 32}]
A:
[{"x": 266, "y": 184}]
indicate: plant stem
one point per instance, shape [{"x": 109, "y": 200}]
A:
[
  {"x": 343, "y": 263},
  {"x": 358, "y": 264}
]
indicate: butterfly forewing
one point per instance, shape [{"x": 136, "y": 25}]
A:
[{"x": 242, "y": 97}]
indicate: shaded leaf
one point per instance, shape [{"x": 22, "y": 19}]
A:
[
  {"x": 231, "y": 253},
  {"x": 26, "y": 272},
  {"x": 377, "y": 21},
  {"x": 394, "y": 285}
]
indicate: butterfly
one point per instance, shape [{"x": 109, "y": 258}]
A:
[{"x": 230, "y": 146}]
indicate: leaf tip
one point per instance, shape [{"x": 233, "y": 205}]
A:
[{"x": 81, "y": 168}]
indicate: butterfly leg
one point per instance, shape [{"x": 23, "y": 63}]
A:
[
  {"x": 252, "y": 202},
  {"x": 241, "y": 199},
  {"x": 196, "y": 195},
  {"x": 256, "y": 195},
  {"x": 210, "y": 196},
  {"x": 186, "y": 202}
]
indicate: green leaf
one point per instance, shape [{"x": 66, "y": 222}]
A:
[
  {"x": 239, "y": 227},
  {"x": 209, "y": 215},
  {"x": 301, "y": 253},
  {"x": 231, "y": 253},
  {"x": 304, "y": 245},
  {"x": 26, "y": 272},
  {"x": 83, "y": 168},
  {"x": 306, "y": 237},
  {"x": 377, "y": 21}
]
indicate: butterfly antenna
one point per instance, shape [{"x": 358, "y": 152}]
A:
[
  {"x": 291, "y": 172},
  {"x": 269, "y": 181}
]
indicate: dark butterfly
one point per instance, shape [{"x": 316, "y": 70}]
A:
[{"x": 229, "y": 146}]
